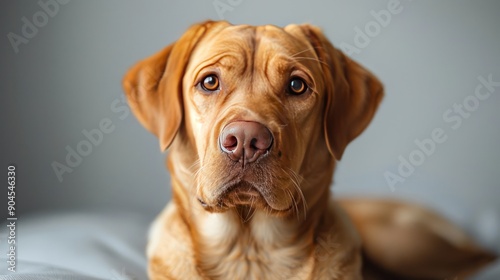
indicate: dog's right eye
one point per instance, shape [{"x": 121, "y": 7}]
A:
[
  {"x": 210, "y": 83},
  {"x": 297, "y": 86}
]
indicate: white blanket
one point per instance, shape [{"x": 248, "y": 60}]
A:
[
  {"x": 84, "y": 246},
  {"x": 79, "y": 246}
]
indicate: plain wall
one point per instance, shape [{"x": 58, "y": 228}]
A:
[{"x": 67, "y": 79}]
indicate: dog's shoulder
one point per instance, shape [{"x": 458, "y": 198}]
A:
[
  {"x": 170, "y": 246},
  {"x": 337, "y": 246}
]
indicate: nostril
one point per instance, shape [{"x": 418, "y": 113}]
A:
[
  {"x": 230, "y": 142},
  {"x": 262, "y": 143},
  {"x": 253, "y": 144}
]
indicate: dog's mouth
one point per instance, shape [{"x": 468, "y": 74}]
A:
[
  {"x": 247, "y": 195},
  {"x": 240, "y": 194}
]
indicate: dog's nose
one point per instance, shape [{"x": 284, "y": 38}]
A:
[{"x": 245, "y": 141}]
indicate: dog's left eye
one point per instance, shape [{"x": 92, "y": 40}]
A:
[
  {"x": 210, "y": 83},
  {"x": 297, "y": 86}
]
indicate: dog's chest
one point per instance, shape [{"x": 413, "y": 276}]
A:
[{"x": 262, "y": 249}]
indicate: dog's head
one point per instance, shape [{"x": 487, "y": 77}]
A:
[{"x": 258, "y": 113}]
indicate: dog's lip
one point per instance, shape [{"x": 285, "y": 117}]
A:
[
  {"x": 235, "y": 185},
  {"x": 251, "y": 190}
]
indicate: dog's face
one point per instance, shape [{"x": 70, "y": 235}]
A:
[
  {"x": 261, "y": 111},
  {"x": 252, "y": 97}
]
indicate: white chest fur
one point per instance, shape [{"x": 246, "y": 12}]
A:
[{"x": 263, "y": 248}]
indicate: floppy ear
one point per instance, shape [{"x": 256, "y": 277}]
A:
[
  {"x": 352, "y": 93},
  {"x": 154, "y": 86}
]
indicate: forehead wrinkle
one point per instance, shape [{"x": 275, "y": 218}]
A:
[
  {"x": 246, "y": 39},
  {"x": 287, "y": 45},
  {"x": 233, "y": 49},
  {"x": 275, "y": 70},
  {"x": 224, "y": 59},
  {"x": 284, "y": 54},
  {"x": 266, "y": 59}
]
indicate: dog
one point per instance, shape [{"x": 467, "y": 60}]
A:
[{"x": 255, "y": 119}]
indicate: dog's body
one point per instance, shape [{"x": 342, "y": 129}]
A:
[{"x": 255, "y": 118}]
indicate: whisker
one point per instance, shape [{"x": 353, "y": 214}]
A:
[
  {"x": 296, "y": 179},
  {"x": 295, "y": 206},
  {"x": 252, "y": 210},
  {"x": 313, "y": 59},
  {"x": 196, "y": 162},
  {"x": 300, "y": 52}
]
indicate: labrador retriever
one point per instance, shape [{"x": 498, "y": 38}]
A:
[{"x": 255, "y": 119}]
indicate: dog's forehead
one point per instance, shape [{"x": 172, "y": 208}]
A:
[
  {"x": 245, "y": 42},
  {"x": 260, "y": 37}
]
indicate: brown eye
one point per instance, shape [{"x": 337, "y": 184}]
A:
[
  {"x": 210, "y": 83},
  {"x": 297, "y": 86}
]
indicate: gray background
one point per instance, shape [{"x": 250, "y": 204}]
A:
[{"x": 430, "y": 55}]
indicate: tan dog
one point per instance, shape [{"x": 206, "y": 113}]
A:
[{"x": 255, "y": 118}]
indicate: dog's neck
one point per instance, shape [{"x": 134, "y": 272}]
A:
[
  {"x": 224, "y": 238},
  {"x": 269, "y": 244}
]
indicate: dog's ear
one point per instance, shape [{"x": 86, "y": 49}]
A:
[
  {"x": 154, "y": 86},
  {"x": 352, "y": 93}
]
